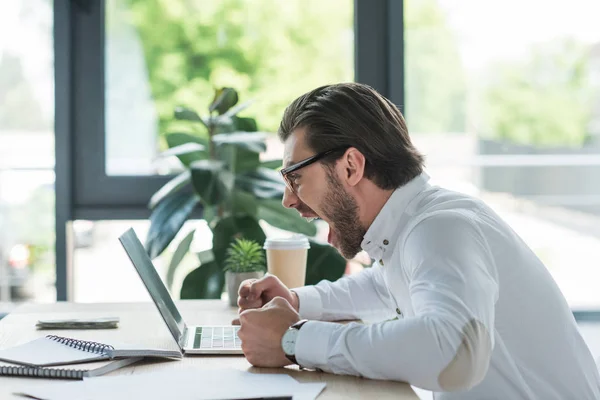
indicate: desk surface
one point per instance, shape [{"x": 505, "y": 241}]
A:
[{"x": 141, "y": 323}]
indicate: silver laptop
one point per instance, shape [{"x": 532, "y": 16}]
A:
[{"x": 191, "y": 339}]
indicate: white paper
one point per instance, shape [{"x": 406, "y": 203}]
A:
[{"x": 184, "y": 384}]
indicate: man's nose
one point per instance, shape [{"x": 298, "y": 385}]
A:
[{"x": 290, "y": 200}]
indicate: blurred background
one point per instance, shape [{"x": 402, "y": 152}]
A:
[{"x": 502, "y": 97}]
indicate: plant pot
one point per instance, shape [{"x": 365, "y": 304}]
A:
[{"x": 233, "y": 281}]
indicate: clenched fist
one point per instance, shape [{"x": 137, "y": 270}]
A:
[
  {"x": 261, "y": 332},
  {"x": 255, "y": 293}
]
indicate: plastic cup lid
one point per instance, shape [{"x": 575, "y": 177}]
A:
[{"x": 287, "y": 243}]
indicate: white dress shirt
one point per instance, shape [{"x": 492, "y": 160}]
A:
[{"x": 479, "y": 316}]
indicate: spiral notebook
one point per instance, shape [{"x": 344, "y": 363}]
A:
[
  {"x": 54, "y": 350},
  {"x": 87, "y": 370}
]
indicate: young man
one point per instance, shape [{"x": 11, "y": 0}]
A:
[{"x": 466, "y": 308}]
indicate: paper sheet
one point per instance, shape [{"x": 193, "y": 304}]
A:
[{"x": 187, "y": 383}]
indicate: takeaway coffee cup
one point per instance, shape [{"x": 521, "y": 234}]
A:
[{"x": 286, "y": 259}]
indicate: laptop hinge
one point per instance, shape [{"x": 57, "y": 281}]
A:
[{"x": 183, "y": 340}]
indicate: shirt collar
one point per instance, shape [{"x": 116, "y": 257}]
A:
[{"x": 384, "y": 230}]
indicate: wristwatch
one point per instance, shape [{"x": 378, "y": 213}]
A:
[{"x": 288, "y": 341}]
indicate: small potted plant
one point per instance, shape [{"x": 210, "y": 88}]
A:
[{"x": 245, "y": 260}]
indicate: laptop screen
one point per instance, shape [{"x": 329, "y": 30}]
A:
[{"x": 159, "y": 293}]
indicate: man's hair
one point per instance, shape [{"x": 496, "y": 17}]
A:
[{"x": 355, "y": 115}]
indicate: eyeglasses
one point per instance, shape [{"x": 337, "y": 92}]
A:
[{"x": 306, "y": 162}]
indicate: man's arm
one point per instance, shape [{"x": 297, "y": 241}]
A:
[
  {"x": 359, "y": 296},
  {"x": 447, "y": 345}
]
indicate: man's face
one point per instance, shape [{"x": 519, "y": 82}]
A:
[{"x": 320, "y": 193}]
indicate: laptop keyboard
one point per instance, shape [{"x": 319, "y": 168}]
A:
[{"x": 217, "y": 337}]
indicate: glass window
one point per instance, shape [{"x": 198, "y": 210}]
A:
[
  {"x": 504, "y": 100},
  {"x": 27, "y": 234},
  {"x": 164, "y": 54}
]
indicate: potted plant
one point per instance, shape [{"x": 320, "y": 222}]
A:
[
  {"x": 227, "y": 184},
  {"x": 245, "y": 260}
]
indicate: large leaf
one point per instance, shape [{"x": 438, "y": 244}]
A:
[
  {"x": 272, "y": 164},
  {"x": 187, "y": 115},
  {"x": 187, "y": 153},
  {"x": 243, "y": 203},
  {"x": 233, "y": 111},
  {"x": 230, "y": 228},
  {"x": 245, "y": 124},
  {"x": 180, "y": 252},
  {"x": 172, "y": 186},
  {"x": 167, "y": 219},
  {"x": 280, "y": 217},
  {"x": 205, "y": 282},
  {"x": 238, "y": 159},
  {"x": 211, "y": 181},
  {"x": 324, "y": 262},
  {"x": 187, "y": 147},
  {"x": 263, "y": 183},
  {"x": 251, "y": 141},
  {"x": 224, "y": 99},
  {"x": 175, "y": 139}
]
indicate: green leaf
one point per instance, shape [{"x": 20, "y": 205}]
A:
[
  {"x": 243, "y": 203},
  {"x": 324, "y": 262},
  {"x": 233, "y": 111},
  {"x": 238, "y": 159},
  {"x": 245, "y": 124},
  {"x": 287, "y": 219},
  {"x": 172, "y": 186},
  {"x": 187, "y": 153},
  {"x": 167, "y": 218},
  {"x": 263, "y": 183},
  {"x": 187, "y": 115},
  {"x": 211, "y": 181},
  {"x": 182, "y": 249},
  {"x": 224, "y": 99},
  {"x": 251, "y": 141},
  {"x": 272, "y": 164},
  {"x": 178, "y": 139},
  {"x": 205, "y": 282},
  {"x": 230, "y": 228}
]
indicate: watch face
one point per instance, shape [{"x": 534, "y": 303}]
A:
[{"x": 288, "y": 342}]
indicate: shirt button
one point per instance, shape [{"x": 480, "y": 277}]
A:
[
  {"x": 386, "y": 242},
  {"x": 381, "y": 262},
  {"x": 398, "y": 311}
]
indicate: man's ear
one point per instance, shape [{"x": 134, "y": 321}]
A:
[{"x": 354, "y": 166}]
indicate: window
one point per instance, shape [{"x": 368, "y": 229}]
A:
[
  {"x": 511, "y": 114},
  {"x": 27, "y": 219},
  {"x": 160, "y": 55}
]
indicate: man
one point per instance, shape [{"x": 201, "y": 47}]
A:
[{"x": 465, "y": 308}]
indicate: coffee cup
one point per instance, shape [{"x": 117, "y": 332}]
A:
[{"x": 286, "y": 259}]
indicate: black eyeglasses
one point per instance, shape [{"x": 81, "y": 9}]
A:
[{"x": 306, "y": 162}]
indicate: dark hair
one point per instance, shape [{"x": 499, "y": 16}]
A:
[{"x": 355, "y": 115}]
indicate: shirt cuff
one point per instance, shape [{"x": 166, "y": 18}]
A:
[
  {"x": 312, "y": 344},
  {"x": 310, "y": 304}
]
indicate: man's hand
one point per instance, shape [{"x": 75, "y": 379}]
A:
[
  {"x": 261, "y": 332},
  {"x": 255, "y": 293}
]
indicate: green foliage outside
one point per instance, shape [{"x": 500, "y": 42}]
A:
[
  {"x": 436, "y": 89},
  {"x": 543, "y": 99},
  {"x": 269, "y": 50}
]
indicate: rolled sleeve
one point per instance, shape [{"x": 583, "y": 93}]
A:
[{"x": 310, "y": 303}]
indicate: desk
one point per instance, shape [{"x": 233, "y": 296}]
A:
[{"x": 141, "y": 323}]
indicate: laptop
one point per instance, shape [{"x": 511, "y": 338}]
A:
[{"x": 190, "y": 339}]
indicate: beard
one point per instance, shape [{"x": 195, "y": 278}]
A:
[{"x": 342, "y": 211}]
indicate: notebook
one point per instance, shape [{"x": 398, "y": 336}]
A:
[
  {"x": 88, "y": 370},
  {"x": 54, "y": 350}
]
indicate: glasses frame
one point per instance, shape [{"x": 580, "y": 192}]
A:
[{"x": 306, "y": 162}]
